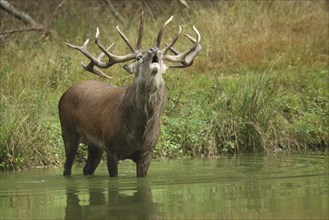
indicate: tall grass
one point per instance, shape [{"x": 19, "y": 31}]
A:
[
  {"x": 259, "y": 84},
  {"x": 248, "y": 117}
]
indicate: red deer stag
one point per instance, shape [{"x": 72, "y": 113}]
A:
[{"x": 122, "y": 121}]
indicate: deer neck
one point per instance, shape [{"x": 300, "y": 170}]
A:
[{"x": 143, "y": 105}]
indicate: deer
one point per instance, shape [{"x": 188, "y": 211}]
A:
[{"x": 124, "y": 122}]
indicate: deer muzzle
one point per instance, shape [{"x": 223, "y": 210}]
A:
[{"x": 155, "y": 55}]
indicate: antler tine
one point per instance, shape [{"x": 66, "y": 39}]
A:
[
  {"x": 97, "y": 61},
  {"x": 90, "y": 68},
  {"x": 93, "y": 61},
  {"x": 185, "y": 58},
  {"x": 113, "y": 58},
  {"x": 165, "y": 50},
  {"x": 83, "y": 49},
  {"x": 140, "y": 33},
  {"x": 188, "y": 58},
  {"x": 125, "y": 39},
  {"x": 158, "y": 41}
]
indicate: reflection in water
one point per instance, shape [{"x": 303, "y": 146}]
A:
[
  {"x": 112, "y": 202},
  {"x": 245, "y": 187}
]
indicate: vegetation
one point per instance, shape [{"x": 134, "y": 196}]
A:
[{"x": 260, "y": 83}]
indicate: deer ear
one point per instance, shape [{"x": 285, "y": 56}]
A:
[{"x": 130, "y": 68}]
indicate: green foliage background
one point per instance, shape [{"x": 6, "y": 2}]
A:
[{"x": 260, "y": 83}]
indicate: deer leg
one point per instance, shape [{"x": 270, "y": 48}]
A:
[
  {"x": 71, "y": 148},
  {"x": 112, "y": 164},
  {"x": 142, "y": 164},
  {"x": 94, "y": 158}
]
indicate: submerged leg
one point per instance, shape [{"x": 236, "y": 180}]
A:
[
  {"x": 71, "y": 148},
  {"x": 142, "y": 164},
  {"x": 94, "y": 158},
  {"x": 112, "y": 164}
]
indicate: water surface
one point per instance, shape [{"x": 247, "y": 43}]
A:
[{"x": 244, "y": 187}]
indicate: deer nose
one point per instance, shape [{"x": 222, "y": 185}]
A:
[{"x": 154, "y": 50}]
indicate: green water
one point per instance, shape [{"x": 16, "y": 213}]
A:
[{"x": 245, "y": 187}]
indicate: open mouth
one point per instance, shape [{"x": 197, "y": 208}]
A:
[
  {"x": 155, "y": 59},
  {"x": 155, "y": 65}
]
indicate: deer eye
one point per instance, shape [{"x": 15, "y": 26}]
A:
[{"x": 139, "y": 57}]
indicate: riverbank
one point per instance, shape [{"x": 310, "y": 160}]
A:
[{"x": 260, "y": 83}]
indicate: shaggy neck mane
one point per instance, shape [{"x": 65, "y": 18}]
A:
[{"x": 142, "y": 107}]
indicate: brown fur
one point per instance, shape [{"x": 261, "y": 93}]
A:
[{"x": 124, "y": 122}]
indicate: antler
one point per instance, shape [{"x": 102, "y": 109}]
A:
[
  {"x": 186, "y": 58},
  {"x": 112, "y": 58},
  {"x": 158, "y": 42}
]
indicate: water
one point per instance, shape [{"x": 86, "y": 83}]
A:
[{"x": 245, "y": 187}]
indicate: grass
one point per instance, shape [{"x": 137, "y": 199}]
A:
[{"x": 260, "y": 83}]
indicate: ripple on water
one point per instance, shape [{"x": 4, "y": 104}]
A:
[{"x": 247, "y": 186}]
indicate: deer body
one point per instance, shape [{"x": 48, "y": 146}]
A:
[
  {"x": 114, "y": 120},
  {"x": 122, "y": 121}
]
